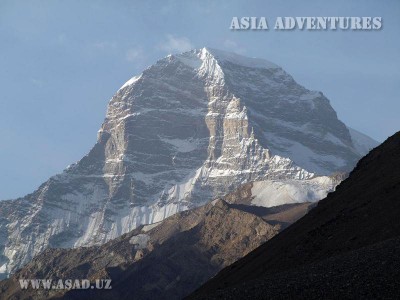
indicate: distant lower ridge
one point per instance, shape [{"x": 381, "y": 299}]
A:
[{"x": 166, "y": 260}]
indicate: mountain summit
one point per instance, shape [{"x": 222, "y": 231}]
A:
[{"x": 190, "y": 128}]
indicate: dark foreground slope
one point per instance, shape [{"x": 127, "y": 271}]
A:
[{"x": 348, "y": 246}]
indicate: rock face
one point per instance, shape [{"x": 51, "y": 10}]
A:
[
  {"x": 168, "y": 259},
  {"x": 348, "y": 246},
  {"x": 190, "y": 128}
]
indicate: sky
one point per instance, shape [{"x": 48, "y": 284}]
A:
[{"x": 61, "y": 62}]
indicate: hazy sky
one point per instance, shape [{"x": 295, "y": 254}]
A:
[{"x": 61, "y": 61}]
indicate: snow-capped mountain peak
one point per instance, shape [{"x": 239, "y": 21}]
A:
[{"x": 190, "y": 128}]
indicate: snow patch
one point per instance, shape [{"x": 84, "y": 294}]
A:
[
  {"x": 3, "y": 268},
  {"x": 182, "y": 145},
  {"x": 214, "y": 202},
  {"x": 139, "y": 241},
  {"x": 273, "y": 193},
  {"x": 131, "y": 81}
]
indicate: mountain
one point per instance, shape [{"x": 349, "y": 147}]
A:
[
  {"x": 168, "y": 259},
  {"x": 190, "y": 128},
  {"x": 348, "y": 246}
]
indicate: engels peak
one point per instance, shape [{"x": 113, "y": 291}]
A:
[{"x": 190, "y": 128}]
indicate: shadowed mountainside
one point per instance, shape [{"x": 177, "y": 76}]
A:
[{"x": 347, "y": 246}]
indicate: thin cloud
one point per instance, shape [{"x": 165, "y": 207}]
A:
[
  {"x": 37, "y": 82},
  {"x": 134, "y": 54},
  {"x": 104, "y": 45},
  {"x": 234, "y": 47},
  {"x": 176, "y": 44},
  {"x": 62, "y": 38}
]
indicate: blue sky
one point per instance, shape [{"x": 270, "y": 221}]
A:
[{"x": 61, "y": 61}]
